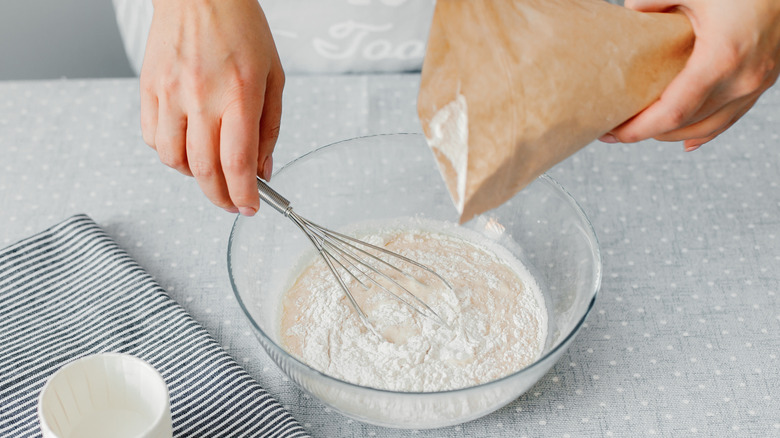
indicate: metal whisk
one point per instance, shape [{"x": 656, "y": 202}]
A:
[{"x": 359, "y": 260}]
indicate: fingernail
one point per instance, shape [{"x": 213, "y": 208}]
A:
[
  {"x": 608, "y": 138},
  {"x": 247, "y": 211},
  {"x": 233, "y": 210},
  {"x": 268, "y": 167},
  {"x": 692, "y": 147}
]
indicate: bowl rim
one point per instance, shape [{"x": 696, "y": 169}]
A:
[{"x": 596, "y": 249}]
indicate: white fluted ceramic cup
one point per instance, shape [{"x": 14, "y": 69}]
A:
[{"x": 105, "y": 395}]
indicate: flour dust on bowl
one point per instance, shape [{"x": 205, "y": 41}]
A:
[{"x": 390, "y": 184}]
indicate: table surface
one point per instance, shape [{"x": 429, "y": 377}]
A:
[{"x": 685, "y": 335}]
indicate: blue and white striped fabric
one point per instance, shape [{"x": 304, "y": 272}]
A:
[{"x": 71, "y": 291}]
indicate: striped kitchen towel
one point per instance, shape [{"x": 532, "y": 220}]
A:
[{"x": 71, "y": 291}]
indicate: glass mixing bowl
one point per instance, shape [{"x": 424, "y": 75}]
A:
[{"x": 395, "y": 176}]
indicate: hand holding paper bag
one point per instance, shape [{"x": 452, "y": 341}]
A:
[
  {"x": 735, "y": 59},
  {"x": 511, "y": 88}
]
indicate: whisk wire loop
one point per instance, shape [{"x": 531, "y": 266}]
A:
[
  {"x": 346, "y": 246},
  {"x": 328, "y": 258},
  {"x": 357, "y": 259},
  {"x": 385, "y": 251},
  {"x": 336, "y": 248},
  {"x": 361, "y": 266}
]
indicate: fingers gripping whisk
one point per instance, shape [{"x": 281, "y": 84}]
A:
[{"x": 356, "y": 263}]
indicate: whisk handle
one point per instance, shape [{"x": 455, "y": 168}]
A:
[{"x": 272, "y": 197}]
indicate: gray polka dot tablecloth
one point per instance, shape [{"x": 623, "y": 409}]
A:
[{"x": 684, "y": 339}]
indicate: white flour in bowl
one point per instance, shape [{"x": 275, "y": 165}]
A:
[{"x": 496, "y": 319}]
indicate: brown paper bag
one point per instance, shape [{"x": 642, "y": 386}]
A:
[{"x": 510, "y": 88}]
